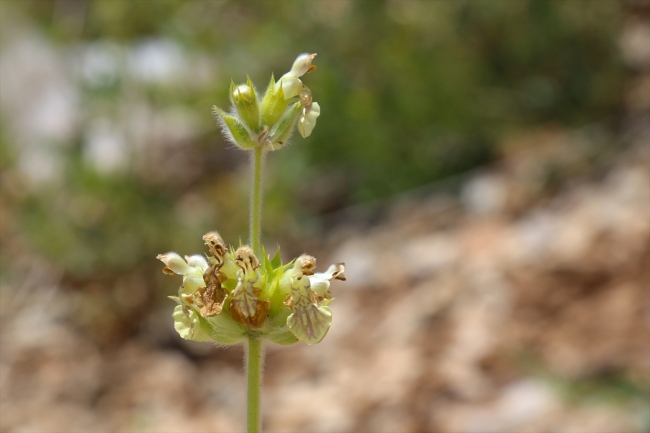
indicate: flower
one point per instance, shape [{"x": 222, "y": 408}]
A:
[
  {"x": 269, "y": 123},
  {"x": 290, "y": 82},
  {"x": 192, "y": 270},
  {"x": 233, "y": 294}
]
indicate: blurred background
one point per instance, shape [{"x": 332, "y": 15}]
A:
[{"x": 483, "y": 168}]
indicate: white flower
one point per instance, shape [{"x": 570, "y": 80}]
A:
[
  {"x": 320, "y": 281},
  {"x": 192, "y": 269},
  {"x": 290, "y": 81}
]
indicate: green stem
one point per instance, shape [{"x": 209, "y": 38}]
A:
[
  {"x": 255, "y": 360},
  {"x": 255, "y": 354},
  {"x": 257, "y": 162}
]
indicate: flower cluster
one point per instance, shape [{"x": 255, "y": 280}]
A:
[
  {"x": 269, "y": 122},
  {"x": 230, "y": 295}
]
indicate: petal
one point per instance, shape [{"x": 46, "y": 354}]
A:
[
  {"x": 320, "y": 281},
  {"x": 191, "y": 284},
  {"x": 319, "y": 285},
  {"x": 307, "y": 122},
  {"x": 290, "y": 86},
  {"x": 308, "y": 322},
  {"x": 245, "y": 298},
  {"x": 246, "y": 307},
  {"x": 302, "y": 65},
  {"x": 197, "y": 261},
  {"x": 335, "y": 272},
  {"x": 175, "y": 263},
  {"x": 187, "y": 324}
]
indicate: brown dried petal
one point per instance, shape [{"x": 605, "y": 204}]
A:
[
  {"x": 210, "y": 298},
  {"x": 216, "y": 245},
  {"x": 246, "y": 297},
  {"x": 245, "y": 259},
  {"x": 306, "y": 264},
  {"x": 254, "y": 321}
]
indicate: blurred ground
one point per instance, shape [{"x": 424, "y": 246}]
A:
[{"x": 507, "y": 310}]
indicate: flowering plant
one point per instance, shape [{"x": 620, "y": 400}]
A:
[{"x": 240, "y": 294}]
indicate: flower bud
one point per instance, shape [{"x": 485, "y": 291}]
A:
[{"x": 244, "y": 99}]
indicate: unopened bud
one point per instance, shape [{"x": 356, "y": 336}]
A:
[{"x": 245, "y": 101}]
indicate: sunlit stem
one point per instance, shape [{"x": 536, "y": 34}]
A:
[{"x": 254, "y": 362}]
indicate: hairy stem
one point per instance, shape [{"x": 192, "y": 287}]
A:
[
  {"x": 254, "y": 362},
  {"x": 255, "y": 354},
  {"x": 257, "y": 162}
]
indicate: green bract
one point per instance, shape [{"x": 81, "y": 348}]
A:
[
  {"x": 230, "y": 295},
  {"x": 270, "y": 122}
]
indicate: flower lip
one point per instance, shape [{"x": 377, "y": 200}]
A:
[
  {"x": 302, "y": 65},
  {"x": 174, "y": 263}
]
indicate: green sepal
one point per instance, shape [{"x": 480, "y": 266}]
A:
[
  {"x": 282, "y": 130},
  {"x": 246, "y": 104},
  {"x": 273, "y": 104},
  {"x": 276, "y": 261},
  {"x": 223, "y": 329},
  {"x": 282, "y": 336},
  {"x": 279, "y": 332},
  {"x": 234, "y": 129}
]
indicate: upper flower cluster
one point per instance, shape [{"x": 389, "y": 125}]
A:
[
  {"x": 269, "y": 122},
  {"x": 232, "y": 295}
]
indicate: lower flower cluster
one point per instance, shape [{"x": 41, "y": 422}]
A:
[{"x": 230, "y": 295}]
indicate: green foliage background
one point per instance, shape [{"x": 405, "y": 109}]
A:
[{"x": 411, "y": 92}]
